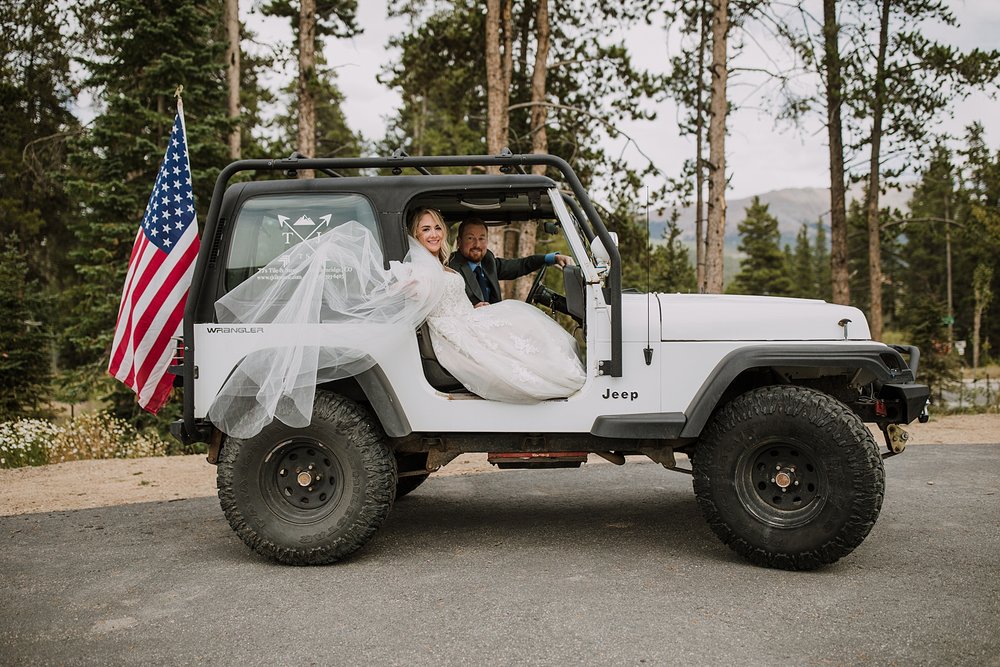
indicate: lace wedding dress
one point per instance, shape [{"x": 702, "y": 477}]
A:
[{"x": 509, "y": 351}]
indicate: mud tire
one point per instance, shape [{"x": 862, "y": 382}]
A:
[
  {"x": 834, "y": 477},
  {"x": 261, "y": 489}
]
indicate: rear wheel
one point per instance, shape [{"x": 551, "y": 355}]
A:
[
  {"x": 309, "y": 496},
  {"x": 789, "y": 477}
]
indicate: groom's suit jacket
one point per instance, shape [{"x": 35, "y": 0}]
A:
[{"x": 496, "y": 269}]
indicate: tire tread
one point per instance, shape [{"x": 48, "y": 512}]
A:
[
  {"x": 366, "y": 435},
  {"x": 857, "y": 448}
]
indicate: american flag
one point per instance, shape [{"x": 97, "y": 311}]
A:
[{"x": 159, "y": 274}]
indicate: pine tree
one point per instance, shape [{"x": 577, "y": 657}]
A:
[
  {"x": 671, "y": 267},
  {"x": 115, "y": 163},
  {"x": 441, "y": 76},
  {"x": 894, "y": 270},
  {"x": 36, "y": 90},
  {"x": 320, "y": 126},
  {"x": 763, "y": 268},
  {"x": 977, "y": 238},
  {"x": 933, "y": 201},
  {"x": 912, "y": 80},
  {"x": 803, "y": 266},
  {"x": 334, "y": 138},
  {"x": 24, "y": 340},
  {"x": 443, "y": 109}
]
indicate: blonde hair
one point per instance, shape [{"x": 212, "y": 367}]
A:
[{"x": 444, "y": 252}]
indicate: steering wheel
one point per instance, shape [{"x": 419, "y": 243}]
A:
[{"x": 537, "y": 286}]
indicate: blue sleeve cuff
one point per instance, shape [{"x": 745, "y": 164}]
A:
[{"x": 551, "y": 258}]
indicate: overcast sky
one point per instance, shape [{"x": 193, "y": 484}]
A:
[{"x": 761, "y": 156}]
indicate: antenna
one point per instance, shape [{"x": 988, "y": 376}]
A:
[{"x": 648, "y": 352}]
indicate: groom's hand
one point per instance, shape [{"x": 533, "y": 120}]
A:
[{"x": 564, "y": 260}]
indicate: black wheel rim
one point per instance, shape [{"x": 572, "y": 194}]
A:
[
  {"x": 782, "y": 482},
  {"x": 302, "y": 480}
]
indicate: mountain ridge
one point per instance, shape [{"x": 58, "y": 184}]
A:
[{"x": 791, "y": 206}]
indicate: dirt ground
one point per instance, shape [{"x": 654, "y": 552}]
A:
[{"x": 85, "y": 484}]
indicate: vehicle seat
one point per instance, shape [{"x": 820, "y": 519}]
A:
[{"x": 435, "y": 373}]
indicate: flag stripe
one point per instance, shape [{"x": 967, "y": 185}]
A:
[
  {"x": 148, "y": 268},
  {"x": 162, "y": 329},
  {"x": 137, "y": 246},
  {"x": 137, "y": 280},
  {"x": 147, "y": 299},
  {"x": 156, "y": 305},
  {"x": 155, "y": 369}
]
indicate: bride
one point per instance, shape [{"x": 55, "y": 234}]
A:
[{"x": 508, "y": 351}]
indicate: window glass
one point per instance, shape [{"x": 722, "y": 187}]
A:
[{"x": 267, "y": 226}]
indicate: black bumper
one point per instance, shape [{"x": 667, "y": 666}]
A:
[{"x": 895, "y": 404}]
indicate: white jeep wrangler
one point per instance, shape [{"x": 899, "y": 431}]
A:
[{"x": 767, "y": 397}]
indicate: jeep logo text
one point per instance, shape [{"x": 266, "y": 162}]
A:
[{"x": 623, "y": 395}]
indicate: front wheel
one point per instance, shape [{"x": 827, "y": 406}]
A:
[
  {"x": 313, "y": 495},
  {"x": 788, "y": 477}
]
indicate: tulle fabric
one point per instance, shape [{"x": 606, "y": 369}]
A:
[
  {"x": 509, "y": 351},
  {"x": 337, "y": 280}
]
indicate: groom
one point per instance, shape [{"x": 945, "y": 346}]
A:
[{"x": 483, "y": 270}]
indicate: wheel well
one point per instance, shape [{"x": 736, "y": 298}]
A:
[
  {"x": 348, "y": 388},
  {"x": 838, "y": 382}
]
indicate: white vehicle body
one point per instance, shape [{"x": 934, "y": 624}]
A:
[
  {"x": 768, "y": 397},
  {"x": 690, "y": 335}
]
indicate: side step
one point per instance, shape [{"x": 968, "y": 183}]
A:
[{"x": 506, "y": 460}]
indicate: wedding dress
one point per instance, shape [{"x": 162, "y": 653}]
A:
[{"x": 508, "y": 351}]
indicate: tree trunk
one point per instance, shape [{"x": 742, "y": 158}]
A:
[
  {"x": 233, "y": 76},
  {"x": 699, "y": 163},
  {"x": 982, "y": 294},
  {"x": 496, "y": 94},
  {"x": 715, "y": 234},
  {"x": 307, "y": 71},
  {"x": 507, "y": 69},
  {"x": 874, "y": 226},
  {"x": 839, "y": 273},
  {"x": 977, "y": 323},
  {"x": 498, "y": 72},
  {"x": 539, "y": 135}
]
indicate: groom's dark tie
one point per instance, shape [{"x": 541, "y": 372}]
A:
[{"x": 483, "y": 284}]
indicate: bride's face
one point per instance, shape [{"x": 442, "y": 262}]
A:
[{"x": 430, "y": 233}]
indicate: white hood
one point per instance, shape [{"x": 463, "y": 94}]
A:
[{"x": 698, "y": 317}]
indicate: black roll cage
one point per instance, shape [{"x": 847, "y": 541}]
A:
[{"x": 505, "y": 161}]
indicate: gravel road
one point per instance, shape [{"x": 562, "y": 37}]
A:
[{"x": 603, "y": 565}]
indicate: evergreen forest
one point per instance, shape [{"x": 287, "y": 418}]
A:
[{"x": 88, "y": 96}]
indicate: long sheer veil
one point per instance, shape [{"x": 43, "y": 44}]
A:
[{"x": 337, "y": 280}]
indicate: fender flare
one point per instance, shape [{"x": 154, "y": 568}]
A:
[
  {"x": 379, "y": 392},
  {"x": 384, "y": 402},
  {"x": 871, "y": 358}
]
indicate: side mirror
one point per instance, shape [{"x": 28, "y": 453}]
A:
[
  {"x": 600, "y": 253},
  {"x": 550, "y": 227}
]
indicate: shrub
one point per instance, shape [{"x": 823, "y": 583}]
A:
[
  {"x": 26, "y": 442},
  {"x": 95, "y": 435}
]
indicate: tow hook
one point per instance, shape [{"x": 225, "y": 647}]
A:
[
  {"x": 925, "y": 413},
  {"x": 896, "y": 438}
]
